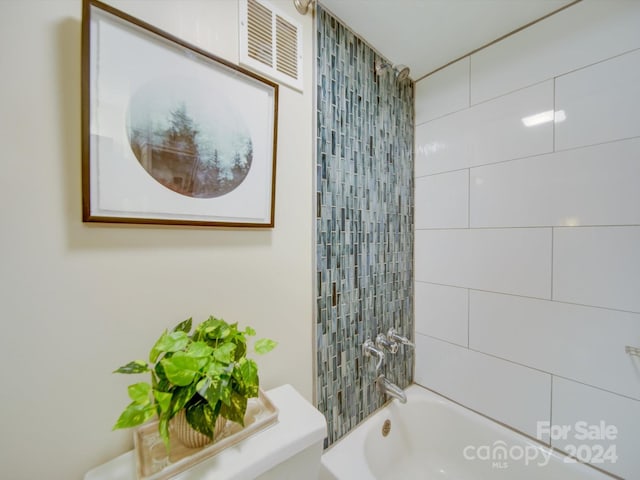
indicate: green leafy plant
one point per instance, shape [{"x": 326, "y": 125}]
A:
[{"x": 206, "y": 373}]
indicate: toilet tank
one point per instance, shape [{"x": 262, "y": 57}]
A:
[{"x": 289, "y": 449}]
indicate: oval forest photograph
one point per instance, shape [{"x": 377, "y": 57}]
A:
[{"x": 188, "y": 138}]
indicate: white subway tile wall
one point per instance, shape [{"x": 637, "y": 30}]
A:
[
  {"x": 598, "y": 266},
  {"x": 442, "y": 312},
  {"x": 576, "y": 406},
  {"x": 550, "y": 258},
  {"x": 558, "y": 189},
  {"x": 487, "y": 133},
  {"x": 452, "y": 85},
  {"x": 509, "y": 393},
  {"x": 543, "y": 334},
  {"x": 442, "y": 201},
  {"x": 512, "y": 260},
  {"x": 588, "y": 32},
  {"x": 600, "y": 103}
]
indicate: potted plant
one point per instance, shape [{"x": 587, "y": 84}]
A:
[{"x": 203, "y": 379}]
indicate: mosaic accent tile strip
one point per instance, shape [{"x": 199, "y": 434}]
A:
[{"x": 364, "y": 223}]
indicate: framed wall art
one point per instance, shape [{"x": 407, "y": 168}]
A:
[{"x": 172, "y": 134}]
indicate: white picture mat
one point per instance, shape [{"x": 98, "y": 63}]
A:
[{"x": 125, "y": 57}]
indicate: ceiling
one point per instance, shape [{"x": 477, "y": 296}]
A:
[{"x": 428, "y": 34}]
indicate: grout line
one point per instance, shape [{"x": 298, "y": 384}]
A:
[
  {"x": 597, "y": 62},
  {"x": 315, "y": 393},
  {"x": 609, "y": 309},
  {"x": 468, "y": 318},
  {"x": 469, "y": 198},
  {"x": 513, "y": 32},
  {"x": 529, "y": 367},
  {"x": 551, "y": 408},
  {"x": 620, "y": 225},
  {"x": 579, "y": 147},
  {"x": 457, "y": 110},
  {"x": 469, "y": 82},
  {"x": 551, "y": 295},
  {"x": 492, "y": 355},
  {"x": 502, "y": 95},
  {"x": 431, "y": 229},
  {"x": 553, "y": 123},
  {"x": 573, "y": 380},
  {"x": 484, "y": 353},
  {"x": 615, "y": 140}
]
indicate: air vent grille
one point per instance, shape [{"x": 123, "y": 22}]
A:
[
  {"x": 286, "y": 43},
  {"x": 271, "y": 42},
  {"x": 260, "y": 33}
]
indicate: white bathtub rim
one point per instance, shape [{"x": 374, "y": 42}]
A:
[{"x": 417, "y": 392}]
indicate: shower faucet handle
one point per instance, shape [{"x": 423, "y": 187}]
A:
[
  {"x": 369, "y": 350},
  {"x": 395, "y": 337},
  {"x": 632, "y": 350},
  {"x": 385, "y": 343}
]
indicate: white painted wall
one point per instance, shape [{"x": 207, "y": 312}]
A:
[
  {"x": 79, "y": 300},
  {"x": 527, "y": 254}
]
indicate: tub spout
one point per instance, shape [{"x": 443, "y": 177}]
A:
[{"x": 389, "y": 388}]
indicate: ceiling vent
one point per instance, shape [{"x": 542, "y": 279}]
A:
[{"x": 270, "y": 42}]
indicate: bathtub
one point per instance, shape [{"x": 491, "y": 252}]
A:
[{"x": 432, "y": 438}]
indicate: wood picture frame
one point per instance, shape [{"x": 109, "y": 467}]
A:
[{"x": 171, "y": 133}]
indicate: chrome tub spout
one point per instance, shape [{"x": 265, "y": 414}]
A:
[{"x": 385, "y": 386}]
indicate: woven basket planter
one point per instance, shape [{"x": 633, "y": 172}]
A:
[{"x": 192, "y": 438}]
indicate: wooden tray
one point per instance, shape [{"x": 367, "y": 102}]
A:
[{"x": 153, "y": 463}]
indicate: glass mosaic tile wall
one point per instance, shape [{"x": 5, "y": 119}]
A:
[{"x": 364, "y": 223}]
